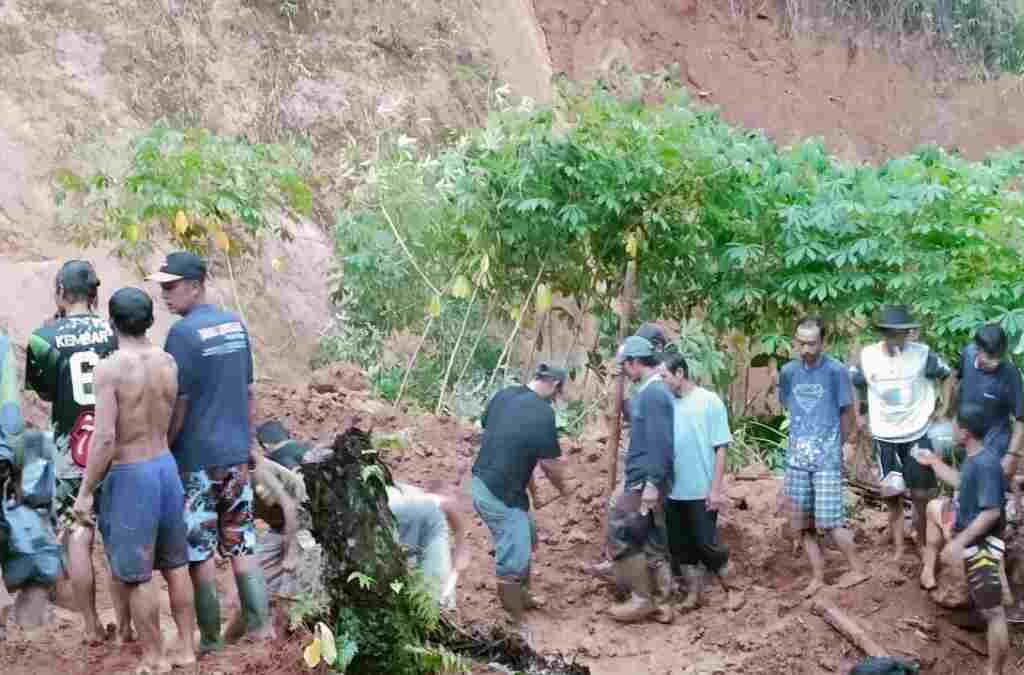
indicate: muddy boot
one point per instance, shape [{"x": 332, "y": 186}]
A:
[
  {"x": 531, "y": 601},
  {"x": 694, "y": 580},
  {"x": 639, "y": 606},
  {"x": 513, "y": 599}
]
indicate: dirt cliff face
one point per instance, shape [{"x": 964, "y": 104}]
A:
[
  {"x": 863, "y": 101},
  {"x": 333, "y": 75}
]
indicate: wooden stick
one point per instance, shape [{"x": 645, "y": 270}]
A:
[
  {"x": 848, "y": 628},
  {"x": 412, "y": 360},
  {"x": 455, "y": 351},
  {"x": 620, "y": 383},
  {"x": 519, "y": 323},
  {"x": 405, "y": 249}
]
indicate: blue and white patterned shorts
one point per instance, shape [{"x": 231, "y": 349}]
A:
[{"x": 814, "y": 499}]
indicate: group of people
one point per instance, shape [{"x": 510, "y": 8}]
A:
[
  {"x": 662, "y": 536},
  {"x": 158, "y": 449}
]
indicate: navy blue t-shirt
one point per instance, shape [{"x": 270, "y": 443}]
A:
[
  {"x": 999, "y": 393},
  {"x": 214, "y": 357},
  {"x": 982, "y": 487}
]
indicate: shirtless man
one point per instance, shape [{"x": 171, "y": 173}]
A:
[{"x": 135, "y": 393}]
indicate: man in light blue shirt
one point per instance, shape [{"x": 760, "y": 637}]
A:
[{"x": 691, "y": 511}]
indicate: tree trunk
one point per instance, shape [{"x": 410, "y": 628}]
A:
[{"x": 628, "y": 289}]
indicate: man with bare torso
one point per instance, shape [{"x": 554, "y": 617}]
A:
[{"x": 141, "y": 511}]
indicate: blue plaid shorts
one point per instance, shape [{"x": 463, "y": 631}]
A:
[{"x": 814, "y": 499}]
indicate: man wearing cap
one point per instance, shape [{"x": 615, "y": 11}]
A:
[
  {"x": 210, "y": 438},
  {"x": 900, "y": 378},
  {"x": 985, "y": 377},
  {"x": 519, "y": 433},
  {"x": 59, "y": 365},
  {"x": 637, "y": 538},
  {"x": 140, "y": 511}
]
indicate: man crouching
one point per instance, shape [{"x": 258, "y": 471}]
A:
[{"x": 142, "y": 504}]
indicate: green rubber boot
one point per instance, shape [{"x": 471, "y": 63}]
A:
[
  {"x": 208, "y": 617},
  {"x": 252, "y": 594}
]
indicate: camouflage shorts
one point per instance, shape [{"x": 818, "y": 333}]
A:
[{"x": 218, "y": 512}]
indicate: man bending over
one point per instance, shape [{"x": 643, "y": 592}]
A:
[{"x": 142, "y": 505}]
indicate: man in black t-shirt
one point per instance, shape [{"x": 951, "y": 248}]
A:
[
  {"x": 986, "y": 378},
  {"x": 519, "y": 433},
  {"x": 978, "y": 528}
]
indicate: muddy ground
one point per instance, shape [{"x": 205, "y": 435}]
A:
[{"x": 772, "y": 633}]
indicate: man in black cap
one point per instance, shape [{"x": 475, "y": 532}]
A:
[
  {"x": 141, "y": 512},
  {"x": 59, "y": 365},
  {"x": 210, "y": 438},
  {"x": 900, "y": 377},
  {"x": 519, "y": 433}
]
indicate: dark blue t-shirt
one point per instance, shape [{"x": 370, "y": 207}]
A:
[
  {"x": 651, "y": 436},
  {"x": 214, "y": 357},
  {"x": 815, "y": 399},
  {"x": 982, "y": 487},
  {"x": 999, "y": 394}
]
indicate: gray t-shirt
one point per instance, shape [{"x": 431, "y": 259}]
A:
[
  {"x": 815, "y": 398},
  {"x": 419, "y": 516}
]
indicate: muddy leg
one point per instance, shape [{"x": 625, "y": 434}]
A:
[
  {"x": 179, "y": 588},
  {"x": 998, "y": 640},
  {"x": 146, "y": 614},
  {"x": 83, "y": 580},
  {"x": 921, "y": 522},
  {"x": 933, "y": 543},
  {"x": 896, "y": 526},
  {"x": 817, "y": 560},
  {"x": 857, "y": 574},
  {"x": 119, "y": 597}
]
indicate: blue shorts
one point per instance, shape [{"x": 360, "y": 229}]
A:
[
  {"x": 513, "y": 530},
  {"x": 142, "y": 519},
  {"x": 814, "y": 499}
]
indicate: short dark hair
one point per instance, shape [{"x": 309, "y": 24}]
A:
[
  {"x": 674, "y": 361},
  {"x": 813, "y": 321},
  {"x": 131, "y": 311},
  {"x": 991, "y": 339},
  {"x": 77, "y": 281},
  {"x": 972, "y": 418}
]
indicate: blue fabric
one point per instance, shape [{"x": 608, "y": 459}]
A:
[
  {"x": 512, "y": 529},
  {"x": 815, "y": 398},
  {"x": 701, "y": 425},
  {"x": 982, "y": 487},
  {"x": 815, "y": 499},
  {"x": 142, "y": 518},
  {"x": 214, "y": 357},
  {"x": 650, "y": 454}
]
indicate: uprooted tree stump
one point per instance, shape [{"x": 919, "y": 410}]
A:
[{"x": 381, "y": 613}]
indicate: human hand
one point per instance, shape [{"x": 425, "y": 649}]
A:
[
  {"x": 717, "y": 501},
  {"x": 82, "y": 511},
  {"x": 862, "y": 422},
  {"x": 848, "y": 451},
  {"x": 953, "y": 552},
  {"x": 291, "y": 560},
  {"x": 650, "y": 499},
  {"x": 924, "y": 456}
]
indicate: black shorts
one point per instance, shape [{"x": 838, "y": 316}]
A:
[{"x": 920, "y": 480}]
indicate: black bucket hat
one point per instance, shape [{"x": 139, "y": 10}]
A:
[{"x": 896, "y": 317}]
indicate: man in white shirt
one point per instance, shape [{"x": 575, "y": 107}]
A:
[{"x": 900, "y": 377}]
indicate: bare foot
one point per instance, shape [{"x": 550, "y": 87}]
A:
[
  {"x": 812, "y": 590},
  {"x": 928, "y": 580},
  {"x": 736, "y": 600},
  {"x": 125, "y": 636},
  {"x": 153, "y": 667},
  {"x": 897, "y": 554},
  {"x": 852, "y": 578},
  {"x": 98, "y": 635},
  {"x": 181, "y": 657}
]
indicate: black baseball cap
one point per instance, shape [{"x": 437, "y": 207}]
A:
[
  {"x": 180, "y": 265},
  {"x": 77, "y": 277},
  {"x": 131, "y": 310},
  {"x": 547, "y": 372},
  {"x": 654, "y": 334}
]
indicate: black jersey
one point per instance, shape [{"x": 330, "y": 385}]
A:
[{"x": 62, "y": 356}]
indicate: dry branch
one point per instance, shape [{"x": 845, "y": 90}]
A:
[{"x": 846, "y": 626}]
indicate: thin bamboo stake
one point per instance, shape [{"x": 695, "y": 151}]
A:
[
  {"x": 408, "y": 253},
  {"x": 620, "y": 383},
  {"x": 476, "y": 343},
  {"x": 241, "y": 309},
  {"x": 519, "y": 323},
  {"x": 412, "y": 360},
  {"x": 455, "y": 351}
]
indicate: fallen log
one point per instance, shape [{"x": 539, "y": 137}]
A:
[{"x": 846, "y": 626}]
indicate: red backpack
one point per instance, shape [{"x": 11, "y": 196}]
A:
[{"x": 80, "y": 439}]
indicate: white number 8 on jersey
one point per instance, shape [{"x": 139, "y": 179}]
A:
[{"x": 83, "y": 365}]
